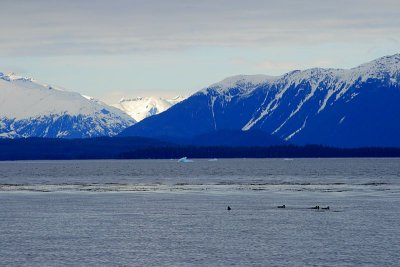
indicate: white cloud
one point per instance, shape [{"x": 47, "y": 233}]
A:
[{"x": 52, "y": 27}]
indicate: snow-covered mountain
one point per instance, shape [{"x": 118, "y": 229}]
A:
[
  {"x": 32, "y": 109},
  {"x": 349, "y": 108},
  {"x": 140, "y": 108}
]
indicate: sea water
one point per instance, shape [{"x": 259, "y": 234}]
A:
[{"x": 165, "y": 213}]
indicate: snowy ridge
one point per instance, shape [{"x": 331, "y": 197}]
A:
[
  {"x": 29, "y": 108},
  {"x": 242, "y": 81},
  {"x": 332, "y": 83},
  {"x": 140, "y": 108}
]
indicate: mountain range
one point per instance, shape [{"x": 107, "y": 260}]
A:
[
  {"x": 29, "y": 108},
  {"x": 336, "y": 107}
]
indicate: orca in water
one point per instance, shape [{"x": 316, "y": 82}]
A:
[
  {"x": 228, "y": 208},
  {"x": 282, "y": 207},
  {"x": 327, "y": 208},
  {"x": 315, "y": 208}
]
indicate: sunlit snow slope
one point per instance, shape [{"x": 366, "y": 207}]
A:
[{"x": 31, "y": 109}]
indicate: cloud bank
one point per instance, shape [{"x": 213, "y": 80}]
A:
[{"x": 52, "y": 27}]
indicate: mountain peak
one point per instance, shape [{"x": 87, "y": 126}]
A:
[
  {"x": 140, "y": 108},
  {"x": 390, "y": 58},
  {"x": 386, "y": 68},
  {"x": 388, "y": 62}
]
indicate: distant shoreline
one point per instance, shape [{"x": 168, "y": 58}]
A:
[{"x": 146, "y": 148}]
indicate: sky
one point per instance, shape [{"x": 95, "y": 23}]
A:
[{"x": 128, "y": 48}]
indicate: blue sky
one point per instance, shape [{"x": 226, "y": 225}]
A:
[{"x": 121, "y": 48}]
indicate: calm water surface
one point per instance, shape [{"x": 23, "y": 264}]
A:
[{"x": 163, "y": 213}]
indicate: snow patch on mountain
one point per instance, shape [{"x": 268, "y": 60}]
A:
[{"x": 297, "y": 131}]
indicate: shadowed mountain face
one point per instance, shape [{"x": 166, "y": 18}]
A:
[
  {"x": 236, "y": 138},
  {"x": 346, "y": 108},
  {"x": 227, "y": 138}
]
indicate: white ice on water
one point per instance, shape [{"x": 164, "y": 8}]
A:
[{"x": 184, "y": 160}]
